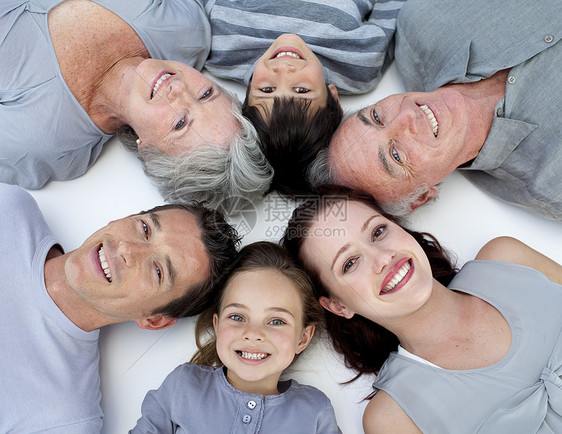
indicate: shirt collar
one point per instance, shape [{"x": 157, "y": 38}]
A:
[{"x": 504, "y": 136}]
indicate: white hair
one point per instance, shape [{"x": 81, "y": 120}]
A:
[
  {"x": 211, "y": 174},
  {"x": 403, "y": 206}
]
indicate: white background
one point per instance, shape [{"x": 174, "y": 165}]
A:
[{"x": 134, "y": 360}]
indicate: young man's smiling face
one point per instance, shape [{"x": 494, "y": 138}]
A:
[{"x": 138, "y": 264}]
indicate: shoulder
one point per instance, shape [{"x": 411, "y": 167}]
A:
[
  {"x": 11, "y": 194},
  {"x": 513, "y": 251},
  {"x": 306, "y": 392},
  {"x": 383, "y": 414}
]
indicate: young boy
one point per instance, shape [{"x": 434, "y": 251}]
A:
[{"x": 293, "y": 81}]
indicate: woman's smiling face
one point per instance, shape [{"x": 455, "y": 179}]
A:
[
  {"x": 174, "y": 108},
  {"x": 369, "y": 265}
]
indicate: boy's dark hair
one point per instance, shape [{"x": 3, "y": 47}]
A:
[{"x": 291, "y": 136}]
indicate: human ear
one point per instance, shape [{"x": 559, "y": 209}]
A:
[
  {"x": 334, "y": 91},
  {"x": 425, "y": 197},
  {"x": 335, "y": 307},
  {"x": 306, "y": 337},
  {"x": 215, "y": 322},
  {"x": 156, "y": 322}
]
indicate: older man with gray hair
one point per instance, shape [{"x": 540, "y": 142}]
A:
[{"x": 483, "y": 98}]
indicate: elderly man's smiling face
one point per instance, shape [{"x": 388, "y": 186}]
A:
[{"x": 402, "y": 142}]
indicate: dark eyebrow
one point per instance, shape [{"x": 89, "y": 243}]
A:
[
  {"x": 385, "y": 164},
  {"x": 170, "y": 270},
  {"x": 346, "y": 246},
  {"x": 361, "y": 116}
]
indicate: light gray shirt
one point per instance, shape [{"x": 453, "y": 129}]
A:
[
  {"x": 521, "y": 160},
  {"x": 521, "y": 393},
  {"x": 49, "y": 379},
  {"x": 45, "y": 134},
  {"x": 199, "y": 399}
]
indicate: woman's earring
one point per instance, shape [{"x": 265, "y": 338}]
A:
[{"x": 139, "y": 141}]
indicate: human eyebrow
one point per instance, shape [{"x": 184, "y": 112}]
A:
[
  {"x": 234, "y": 305},
  {"x": 155, "y": 219},
  {"x": 346, "y": 247},
  {"x": 364, "y": 119},
  {"x": 170, "y": 270},
  {"x": 281, "y": 310},
  {"x": 385, "y": 164}
]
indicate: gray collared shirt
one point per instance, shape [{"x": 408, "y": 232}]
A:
[{"x": 521, "y": 160}]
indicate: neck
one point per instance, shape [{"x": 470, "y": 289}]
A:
[
  {"x": 70, "y": 304},
  {"x": 110, "y": 101},
  {"x": 441, "y": 321},
  {"x": 481, "y": 97}
]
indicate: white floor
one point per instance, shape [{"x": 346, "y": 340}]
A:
[{"x": 134, "y": 360}]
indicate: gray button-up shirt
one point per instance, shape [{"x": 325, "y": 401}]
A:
[{"x": 199, "y": 399}]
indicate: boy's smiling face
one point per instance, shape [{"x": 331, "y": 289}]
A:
[{"x": 288, "y": 69}]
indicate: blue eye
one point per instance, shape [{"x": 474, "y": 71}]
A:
[
  {"x": 376, "y": 117},
  {"x": 276, "y": 321},
  {"x": 236, "y": 317},
  {"x": 207, "y": 94},
  {"x": 267, "y": 89},
  {"x": 301, "y": 90},
  {"x": 395, "y": 155},
  {"x": 179, "y": 125}
]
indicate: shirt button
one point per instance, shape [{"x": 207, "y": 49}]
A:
[
  {"x": 500, "y": 111},
  {"x": 548, "y": 39},
  {"x": 251, "y": 405},
  {"x": 511, "y": 79},
  {"x": 247, "y": 418}
]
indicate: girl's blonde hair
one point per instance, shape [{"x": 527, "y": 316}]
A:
[{"x": 257, "y": 256}]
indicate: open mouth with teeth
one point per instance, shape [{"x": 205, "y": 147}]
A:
[
  {"x": 397, "y": 278},
  {"x": 159, "y": 82},
  {"x": 431, "y": 117},
  {"x": 252, "y": 356},
  {"x": 286, "y": 52},
  {"x": 104, "y": 265}
]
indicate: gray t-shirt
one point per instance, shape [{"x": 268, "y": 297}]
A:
[
  {"x": 49, "y": 379},
  {"x": 199, "y": 399},
  {"x": 44, "y": 132},
  {"x": 522, "y": 392}
]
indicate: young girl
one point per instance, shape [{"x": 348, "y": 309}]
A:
[{"x": 265, "y": 316}]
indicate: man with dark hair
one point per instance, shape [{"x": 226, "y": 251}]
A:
[
  {"x": 151, "y": 268},
  {"x": 483, "y": 99}
]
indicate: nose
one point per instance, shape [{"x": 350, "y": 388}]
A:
[
  {"x": 381, "y": 258},
  {"x": 131, "y": 252},
  {"x": 405, "y": 122},
  {"x": 176, "y": 89},
  {"x": 283, "y": 66},
  {"x": 253, "y": 332}
]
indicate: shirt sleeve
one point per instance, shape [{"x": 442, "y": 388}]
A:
[{"x": 156, "y": 415}]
